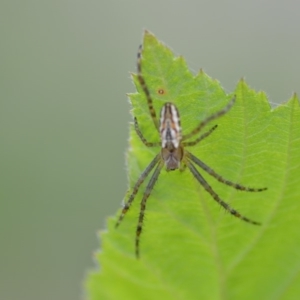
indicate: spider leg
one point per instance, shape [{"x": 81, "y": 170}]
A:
[
  {"x": 139, "y": 133},
  {"x": 200, "y": 138},
  {"x": 210, "y": 118},
  {"x": 147, "y": 192},
  {"x": 137, "y": 186},
  {"x": 145, "y": 88},
  {"x": 211, "y": 172},
  {"x": 215, "y": 196}
]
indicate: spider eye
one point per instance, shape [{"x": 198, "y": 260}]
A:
[{"x": 161, "y": 91}]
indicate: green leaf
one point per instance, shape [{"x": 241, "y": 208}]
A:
[{"x": 190, "y": 247}]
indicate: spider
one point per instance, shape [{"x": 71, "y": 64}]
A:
[{"x": 173, "y": 155}]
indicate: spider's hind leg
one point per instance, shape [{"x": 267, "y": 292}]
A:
[
  {"x": 212, "y": 117},
  {"x": 145, "y": 88},
  {"x": 142, "y": 138},
  {"x": 200, "y": 138}
]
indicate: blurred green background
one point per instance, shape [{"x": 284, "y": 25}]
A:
[{"x": 64, "y": 114}]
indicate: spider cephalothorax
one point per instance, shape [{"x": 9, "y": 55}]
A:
[{"x": 173, "y": 155}]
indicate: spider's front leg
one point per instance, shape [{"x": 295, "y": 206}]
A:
[
  {"x": 147, "y": 192},
  {"x": 136, "y": 187},
  {"x": 216, "y": 197},
  {"x": 211, "y": 172}
]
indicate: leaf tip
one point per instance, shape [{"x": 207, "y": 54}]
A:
[
  {"x": 242, "y": 83},
  {"x": 295, "y": 99},
  {"x": 201, "y": 74},
  {"x": 295, "y": 96},
  {"x": 147, "y": 32},
  {"x": 148, "y": 36}
]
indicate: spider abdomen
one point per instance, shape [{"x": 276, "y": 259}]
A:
[
  {"x": 170, "y": 129},
  {"x": 170, "y": 134}
]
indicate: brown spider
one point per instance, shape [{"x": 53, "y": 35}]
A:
[{"x": 173, "y": 155}]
